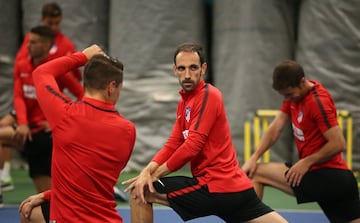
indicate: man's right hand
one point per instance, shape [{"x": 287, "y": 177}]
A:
[
  {"x": 23, "y": 133},
  {"x": 31, "y": 202},
  {"x": 92, "y": 50},
  {"x": 250, "y": 166},
  {"x": 140, "y": 184}
]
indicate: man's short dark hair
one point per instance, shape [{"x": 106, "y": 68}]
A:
[
  {"x": 100, "y": 70},
  {"x": 191, "y": 47},
  {"x": 44, "y": 32},
  {"x": 287, "y": 74},
  {"x": 51, "y": 9}
]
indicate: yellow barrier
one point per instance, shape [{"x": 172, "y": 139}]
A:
[
  {"x": 253, "y": 130},
  {"x": 259, "y": 124},
  {"x": 344, "y": 118}
]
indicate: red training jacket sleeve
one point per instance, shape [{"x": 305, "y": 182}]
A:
[
  {"x": 189, "y": 149},
  {"x": 170, "y": 146},
  {"x": 70, "y": 82},
  {"x": 77, "y": 74},
  {"x": 52, "y": 101},
  {"x": 47, "y": 195}
]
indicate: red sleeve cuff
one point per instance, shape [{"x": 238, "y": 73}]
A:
[
  {"x": 47, "y": 195},
  {"x": 82, "y": 57}
]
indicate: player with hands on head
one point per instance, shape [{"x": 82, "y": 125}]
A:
[
  {"x": 92, "y": 142},
  {"x": 200, "y": 136},
  {"x": 321, "y": 174}
]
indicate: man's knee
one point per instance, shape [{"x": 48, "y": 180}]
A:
[
  {"x": 133, "y": 199},
  {"x": 259, "y": 173},
  {"x": 270, "y": 170},
  {"x": 23, "y": 219},
  {"x": 35, "y": 217},
  {"x": 149, "y": 197}
]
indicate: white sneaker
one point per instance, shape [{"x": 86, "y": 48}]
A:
[{"x": 7, "y": 184}]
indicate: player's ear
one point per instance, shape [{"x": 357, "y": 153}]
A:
[
  {"x": 111, "y": 87},
  {"x": 203, "y": 68},
  {"x": 302, "y": 82},
  {"x": 174, "y": 69}
]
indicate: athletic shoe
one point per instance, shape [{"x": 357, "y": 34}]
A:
[
  {"x": 120, "y": 195},
  {"x": 7, "y": 184},
  {"x": 1, "y": 201}
]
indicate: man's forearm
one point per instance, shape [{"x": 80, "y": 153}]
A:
[
  {"x": 151, "y": 167},
  {"x": 324, "y": 154},
  {"x": 266, "y": 142},
  {"x": 161, "y": 171}
]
